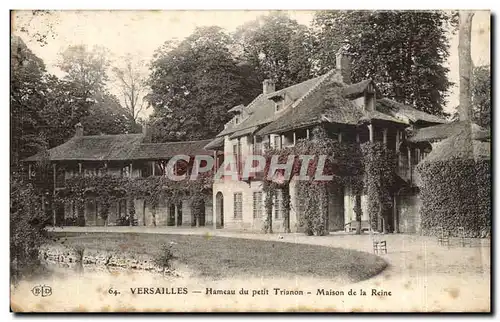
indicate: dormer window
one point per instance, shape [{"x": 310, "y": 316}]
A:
[
  {"x": 279, "y": 102},
  {"x": 278, "y": 106}
]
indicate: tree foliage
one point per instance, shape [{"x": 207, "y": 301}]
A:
[
  {"x": 28, "y": 92},
  {"x": 403, "y": 51},
  {"x": 131, "y": 82},
  {"x": 277, "y": 47},
  {"x": 27, "y": 222},
  {"x": 481, "y": 96},
  {"x": 193, "y": 85}
]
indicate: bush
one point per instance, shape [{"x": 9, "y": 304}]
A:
[
  {"x": 27, "y": 233},
  {"x": 164, "y": 257},
  {"x": 456, "y": 193}
]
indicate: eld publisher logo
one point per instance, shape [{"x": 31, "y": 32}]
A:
[{"x": 42, "y": 290}]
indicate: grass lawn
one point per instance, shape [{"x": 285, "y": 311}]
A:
[{"x": 221, "y": 257}]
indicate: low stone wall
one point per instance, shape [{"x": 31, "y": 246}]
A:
[{"x": 96, "y": 258}]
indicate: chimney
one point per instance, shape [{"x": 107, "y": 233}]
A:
[
  {"x": 146, "y": 132},
  {"x": 268, "y": 86},
  {"x": 343, "y": 62},
  {"x": 78, "y": 129}
]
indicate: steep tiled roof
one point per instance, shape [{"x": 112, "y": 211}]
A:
[
  {"x": 94, "y": 147},
  {"x": 443, "y": 131},
  {"x": 150, "y": 151},
  {"x": 312, "y": 109},
  {"x": 119, "y": 147},
  {"x": 262, "y": 109},
  {"x": 377, "y": 115},
  {"x": 357, "y": 89},
  {"x": 215, "y": 144},
  {"x": 460, "y": 145},
  {"x": 404, "y": 111}
]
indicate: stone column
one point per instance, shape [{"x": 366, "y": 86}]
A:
[
  {"x": 395, "y": 213},
  {"x": 370, "y": 130}
]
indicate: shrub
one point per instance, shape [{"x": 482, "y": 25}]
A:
[
  {"x": 456, "y": 193},
  {"x": 164, "y": 257},
  {"x": 27, "y": 222}
]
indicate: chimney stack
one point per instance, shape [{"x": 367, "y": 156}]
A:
[
  {"x": 343, "y": 62},
  {"x": 268, "y": 86},
  {"x": 78, "y": 129},
  {"x": 146, "y": 132}
]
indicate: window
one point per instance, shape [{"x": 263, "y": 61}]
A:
[
  {"x": 257, "y": 145},
  {"x": 277, "y": 142},
  {"x": 238, "y": 205},
  {"x": 257, "y": 204},
  {"x": 278, "y": 106},
  {"x": 278, "y": 204}
]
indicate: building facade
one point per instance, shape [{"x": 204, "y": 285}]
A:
[
  {"x": 354, "y": 113},
  {"x": 124, "y": 155}
]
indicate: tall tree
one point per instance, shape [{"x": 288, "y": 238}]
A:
[
  {"x": 28, "y": 90},
  {"x": 193, "y": 85},
  {"x": 86, "y": 82},
  {"x": 465, "y": 64},
  {"x": 88, "y": 68},
  {"x": 277, "y": 47},
  {"x": 403, "y": 51},
  {"x": 131, "y": 85}
]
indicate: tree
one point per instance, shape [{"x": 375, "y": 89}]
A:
[
  {"x": 107, "y": 116},
  {"x": 481, "y": 96},
  {"x": 277, "y": 47},
  {"x": 193, "y": 85},
  {"x": 27, "y": 96},
  {"x": 465, "y": 64},
  {"x": 85, "y": 83},
  {"x": 131, "y": 84},
  {"x": 88, "y": 68},
  {"x": 27, "y": 233},
  {"x": 403, "y": 51},
  {"x": 38, "y": 25}
]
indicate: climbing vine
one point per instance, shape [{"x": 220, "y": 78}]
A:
[
  {"x": 379, "y": 174},
  {"x": 343, "y": 161},
  {"x": 108, "y": 189}
]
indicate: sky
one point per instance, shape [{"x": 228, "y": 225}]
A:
[{"x": 140, "y": 33}]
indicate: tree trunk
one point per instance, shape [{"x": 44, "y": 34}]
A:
[
  {"x": 153, "y": 214},
  {"x": 465, "y": 64}
]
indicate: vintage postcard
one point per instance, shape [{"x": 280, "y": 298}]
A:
[{"x": 250, "y": 161}]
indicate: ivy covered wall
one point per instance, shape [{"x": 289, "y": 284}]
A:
[{"x": 456, "y": 193}]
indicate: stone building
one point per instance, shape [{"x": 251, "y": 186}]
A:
[
  {"x": 122, "y": 155},
  {"x": 278, "y": 118}
]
